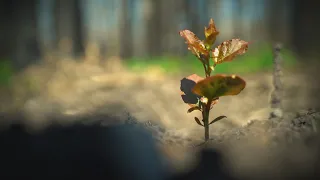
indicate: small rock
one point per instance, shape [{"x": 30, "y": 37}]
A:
[{"x": 276, "y": 113}]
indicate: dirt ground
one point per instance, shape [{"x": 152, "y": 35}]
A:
[{"x": 70, "y": 88}]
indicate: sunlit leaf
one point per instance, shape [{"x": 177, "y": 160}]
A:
[
  {"x": 228, "y": 50},
  {"x": 217, "y": 119},
  {"x": 195, "y": 45},
  {"x": 193, "y": 109},
  {"x": 198, "y": 121},
  {"x": 211, "y": 34},
  {"x": 212, "y": 68},
  {"x": 219, "y": 85}
]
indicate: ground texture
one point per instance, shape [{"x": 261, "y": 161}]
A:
[{"x": 252, "y": 143}]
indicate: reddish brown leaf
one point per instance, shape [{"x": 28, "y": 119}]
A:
[
  {"x": 210, "y": 33},
  {"x": 228, "y": 50},
  {"x": 219, "y": 85},
  {"x": 195, "y": 45}
]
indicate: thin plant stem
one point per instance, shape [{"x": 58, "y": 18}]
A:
[
  {"x": 205, "y": 115},
  {"x": 206, "y": 70}
]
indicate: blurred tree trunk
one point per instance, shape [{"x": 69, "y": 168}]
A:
[
  {"x": 305, "y": 28},
  {"x": 205, "y": 11},
  {"x": 238, "y": 18},
  {"x": 258, "y": 30},
  {"x": 45, "y": 27},
  {"x": 193, "y": 17},
  {"x": 247, "y": 24},
  {"x": 277, "y": 20},
  {"x": 154, "y": 29},
  {"x": 68, "y": 25},
  {"x": 6, "y": 20},
  {"x": 170, "y": 41},
  {"x": 126, "y": 40},
  {"x": 214, "y": 9},
  {"x": 141, "y": 28},
  {"x": 180, "y": 24},
  {"x": 25, "y": 47}
]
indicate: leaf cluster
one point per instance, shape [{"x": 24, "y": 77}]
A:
[{"x": 202, "y": 93}]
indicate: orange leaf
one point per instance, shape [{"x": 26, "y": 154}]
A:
[
  {"x": 228, "y": 50},
  {"x": 195, "y": 45},
  {"x": 210, "y": 33},
  {"x": 219, "y": 85}
]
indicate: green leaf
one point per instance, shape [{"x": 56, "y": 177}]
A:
[
  {"x": 219, "y": 85},
  {"x": 198, "y": 121},
  {"x": 217, "y": 119}
]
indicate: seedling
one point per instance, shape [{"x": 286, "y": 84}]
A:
[{"x": 203, "y": 93}]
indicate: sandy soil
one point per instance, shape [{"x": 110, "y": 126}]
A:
[
  {"x": 70, "y": 88},
  {"x": 79, "y": 87}
]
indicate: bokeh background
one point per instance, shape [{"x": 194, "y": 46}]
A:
[{"x": 71, "y": 57}]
